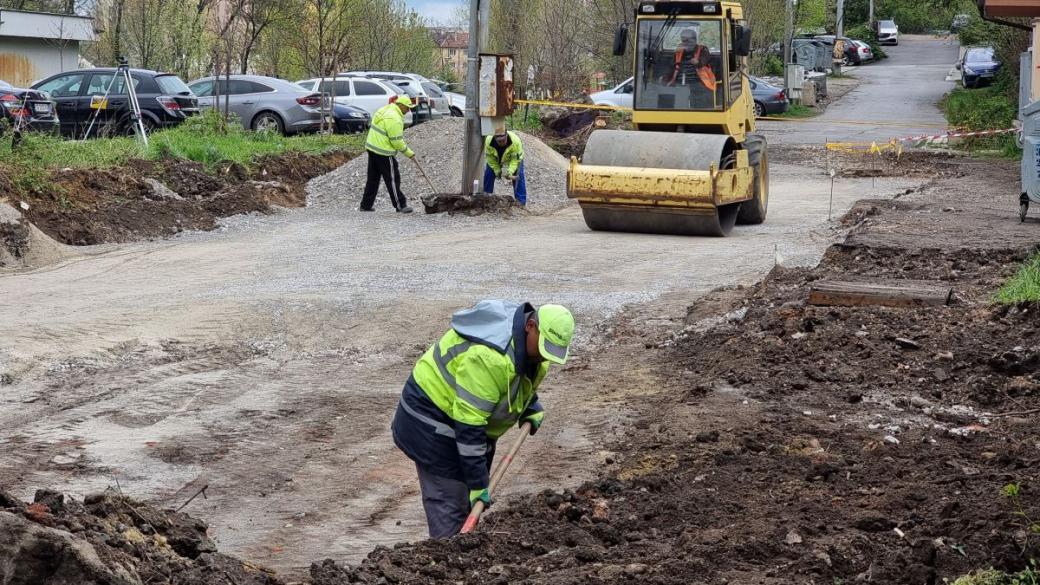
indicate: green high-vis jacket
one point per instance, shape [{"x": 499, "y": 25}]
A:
[
  {"x": 511, "y": 158},
  {"x": 386, "y": 133}
]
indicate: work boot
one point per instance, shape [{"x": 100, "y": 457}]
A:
[
  {"x": 366, "y": 209},
  {"x": 404, "y": 209}
]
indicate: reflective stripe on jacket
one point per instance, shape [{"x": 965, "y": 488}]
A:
[
  {"x": 511, "y": 158},
  {"x": 467, "y": 390},
  {"x": 386, "y": 132}
]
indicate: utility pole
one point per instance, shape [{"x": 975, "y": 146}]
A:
[
  {"x": 479, "y": 27},
  {"x": 870, "y": 15},
  {"x": 788, "y": 42},
  {"x": 839, "y": 31}
]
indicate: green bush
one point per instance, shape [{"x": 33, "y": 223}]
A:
[{"x": 773, "y": 65}]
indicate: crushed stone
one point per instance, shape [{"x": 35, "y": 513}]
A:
[{"x": 438, "y": 148}]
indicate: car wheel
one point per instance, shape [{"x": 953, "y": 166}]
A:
[
  {"x": 130, "y": 129},
  {"x": 760, "y": 110},
  {"x": 455, "y": 112},
  {"x": 268, "y": 122}
]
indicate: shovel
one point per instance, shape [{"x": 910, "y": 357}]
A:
[
  {"x": 496, "y": 476},
  {"x": 423, "y": 173}
]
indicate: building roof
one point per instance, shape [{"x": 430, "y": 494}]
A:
[
  {"x": 449, "y": 38},
  {"x": 45, "y": 25}
]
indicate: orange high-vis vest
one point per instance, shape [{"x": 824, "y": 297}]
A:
[{"x": 704, "y": 72}]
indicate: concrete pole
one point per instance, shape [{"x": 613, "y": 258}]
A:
[
  {"x": 479, "y": 11},
  {"x": 839, "y": 30},
  {"x": 788, "y": 48},
  {"x": 870, "y": 15}
]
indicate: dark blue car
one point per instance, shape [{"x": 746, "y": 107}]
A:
[
  {"x": 350, "y": 119},
  {"x": 978, "y": 66}
]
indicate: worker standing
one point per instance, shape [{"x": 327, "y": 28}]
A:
[
  {"x": 505, "y": 159},
  {"x": 385, "y": 140},
  {"x": 465, "y": 392}
]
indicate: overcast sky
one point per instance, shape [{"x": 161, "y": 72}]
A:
[{"x": 436, "y": 11}]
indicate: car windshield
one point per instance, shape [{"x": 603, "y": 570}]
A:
[
  {"x": 171, "y": 84},
  {"x": 887, "y": 24},
  {"x": 979, "y": 55},
  {"x": 680, "y": 65}
]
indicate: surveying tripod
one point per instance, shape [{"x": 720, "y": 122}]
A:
[{"x": 122, "y": 73}]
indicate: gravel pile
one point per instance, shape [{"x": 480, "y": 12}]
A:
[{"x": 438, "y": 147}]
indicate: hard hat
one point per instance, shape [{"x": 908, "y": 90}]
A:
[
  {"x": 405, "y": 101},
  {"x": 555, "y": 331}
]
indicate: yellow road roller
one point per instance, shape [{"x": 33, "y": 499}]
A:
[{"x": 693, "y": 165}]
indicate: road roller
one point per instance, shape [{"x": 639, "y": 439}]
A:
[{"x": 693, "y": 164}]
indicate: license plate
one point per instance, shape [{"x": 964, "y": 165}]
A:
[{"x": 42, "y": 108}]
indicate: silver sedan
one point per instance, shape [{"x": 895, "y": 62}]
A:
[{"x": 263, "y": 103}]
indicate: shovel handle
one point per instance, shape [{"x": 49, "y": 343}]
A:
[{"x": 496, "y": 477}]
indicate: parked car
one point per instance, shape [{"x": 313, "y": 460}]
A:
[
  {"x": 263, "y": 103},
  {"x": 164, "y": 99},
  {"x": 620, "y": 96},
  {"x": 887, "y": 32},
  {"x": 27, "y": 109},
  {"x": 978, "y": 66},
  {"x": 456, "y": 101},
  {"x": 859, "y": 52},
  {"x": 960, "y": 21},
  {"x": 362, "y": 92},
  {"x": 432, "y": 103},
  {"x": 848, "y": 48},
  {"x": 350, "y": 119},
  {"x": 769, "y": 99}
]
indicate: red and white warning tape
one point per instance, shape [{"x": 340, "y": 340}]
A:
[{"x": 954, "y": 135}]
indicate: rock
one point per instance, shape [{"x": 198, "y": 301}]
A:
[
  {"x": 160, "y": 191},
  {"x": 944, "y": 355},
  {"x": 636, "y": 569},
  {"x": 907, "y": 343},
  {"x": 707, "y": 437},
  {"x": 940, "y": 375},
  {"x": 498, "y": 570},
  {"x": 793, "y": 538},
  {"x": 64, "y": 459},
  {"x": 47, "y": 556},
  {"x": 891, "y": 440},
  {"x": 50, "y": 498},
  {"x": 854, "y": 397}
]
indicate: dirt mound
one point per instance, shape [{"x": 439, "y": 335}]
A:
[
  {"x": 158, "y": 199},
  {"x": 22, "y": 245},
  {"x": 111, "y": 540},
  {"x": 438, "y": 147}
]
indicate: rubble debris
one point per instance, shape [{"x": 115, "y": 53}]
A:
[{"x": 109, "y": 539}]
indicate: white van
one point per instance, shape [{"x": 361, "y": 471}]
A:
[{"x": 361, "y": 92}]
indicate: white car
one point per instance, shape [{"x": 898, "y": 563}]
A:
[
  {"x": 887, "y": 32},
  {"x": 620, "y": 96},
  {"x": 416, "y": 85},
  {"x": 360, "y": 92}
]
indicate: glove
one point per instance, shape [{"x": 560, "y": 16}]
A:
[
  {"x": 409, "y": 153},
  {"x": 482, "y": 495},
  {"x": 535, "y": 419},
  {"x": 508, "y": 177}
]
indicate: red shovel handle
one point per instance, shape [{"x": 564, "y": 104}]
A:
[{"x": 496, "y": 477}]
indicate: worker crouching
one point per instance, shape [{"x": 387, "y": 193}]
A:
[
  {"x": 505, "y": 159},
  {"x": 466, "y": 391}
]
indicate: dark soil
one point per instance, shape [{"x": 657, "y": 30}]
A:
[
  {"x": 797, "y": 444},
  {"x": 109, "y": 539},
  {"x": 148, "y": 200}
]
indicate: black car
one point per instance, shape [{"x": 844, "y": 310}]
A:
[
  {"x": 349, "y": 119},
  {"x": 164, "y": 98},
  {"x": 26, "y": 109}
]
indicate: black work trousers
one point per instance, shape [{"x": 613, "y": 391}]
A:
[{"x": 385, "y": 168}]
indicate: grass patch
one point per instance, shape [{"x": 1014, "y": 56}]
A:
[
  {"x": 1028, "y": 576},
  {"x": 987, "y": 108},
  {"x": 525, "y": 119},
  {"x": 205, "y": 139},
  {"x": 799, "y": 111},
  {"x": 1024, "y": 286}
]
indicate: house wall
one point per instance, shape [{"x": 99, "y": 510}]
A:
[{"x": 25, "y": 60}]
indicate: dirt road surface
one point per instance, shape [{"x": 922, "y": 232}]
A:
[{"x": 265, "y": 359}]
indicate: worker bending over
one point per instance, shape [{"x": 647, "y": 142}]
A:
[
  {"x": 465, "y": 392},
  {"x": 385, "y": 140},
  {"x": 505, "y": 159}
]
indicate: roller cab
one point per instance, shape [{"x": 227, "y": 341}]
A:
[{"x": 693, "y": 165}]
